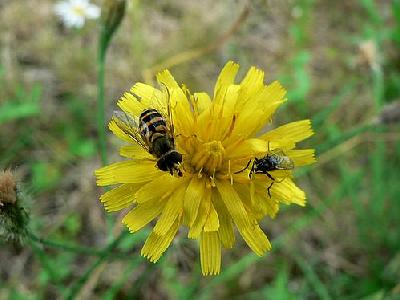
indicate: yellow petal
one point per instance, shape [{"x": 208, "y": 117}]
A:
[
  {"x": 210, "y": 253},
  {"x": 271, "y": 97},
  {"x": 225, "y": 115},
  {"x": 172, "y": 210},
  {"x": 131, "y": 105},
  {"x": 287, "y": 192},
  {"x": 201, "y": 115},
  {"x": 194, "y": 195},
  {"x": 202, "y": 214},
  {"x": 246, "y": 193},
  {"x": 179, "y": 104},
  {"x": 142, "y": 214},
  {"x": 265, "y": 204},
  {"x": 202, "y": 101},
  {"x": 290, "y": 133},
  {"x": 130, "y": 171},
  {"x": 251, "y": 85},
  {"x": 234, "y": 204},
  {"x": 149, "y": 96},
  {"x": 212, "y": 222},
  {"x": 120, "y": 197},
  {"x": 225, "y": 79},
  {"x": 248, "y": 227},
  {"x": 253, "y": 117},
  {"x": 256, "y": 198},
  {"x": 158, "y": 188},
  {"x": 166, "y": 79},
  {"x": 156, "y": 245},
  {"x": 256, "y": 239},
  {"x": 302, "y": 157},
  {"x": 225, "y": 230},
  {"x": 120, "y": 133},
  {"x": 135, "y": 152},
  {"x": 213, "y": 122},
  {"x": 249, "y": 148}
]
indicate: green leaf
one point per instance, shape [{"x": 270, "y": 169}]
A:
[
  {"x": 279, "y": 288},
  {"x": 26, "y": 105},
  {"x": 44, "y": 175}
]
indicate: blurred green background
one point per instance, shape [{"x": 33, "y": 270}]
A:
[{"x": 340, "y": 62}]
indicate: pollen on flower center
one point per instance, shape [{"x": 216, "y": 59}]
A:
[{"x": 208, "y": 157}]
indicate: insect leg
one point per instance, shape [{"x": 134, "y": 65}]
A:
[
  {"x": 283, "y": 179},
  {"x": 253, "y": 170},
  {"x": 272, "y": 183},
  {"x": 244, "y": 168},
  {"x": 269, "y": 188},
  {"x": 269, "y": 176}
]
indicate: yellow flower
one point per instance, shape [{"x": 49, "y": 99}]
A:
[{"x": 217, "y": 139}]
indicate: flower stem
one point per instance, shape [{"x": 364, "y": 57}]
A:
[
  {"x": 108, "y": 28},
  {"x": 104, "y": 42},
  {"x": 71, "y": 248},
  {"x": 101, "y": 120}
]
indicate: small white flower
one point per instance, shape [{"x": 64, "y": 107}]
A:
[{"x": 74, "y": 12}]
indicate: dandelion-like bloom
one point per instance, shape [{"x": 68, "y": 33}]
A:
[
  {"x": 217, "y": 139},
  {"x": 74, "y": 12}
]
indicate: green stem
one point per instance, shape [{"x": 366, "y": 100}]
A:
[
  {"x": 44, "y": 261},
  {"x": 378, "y": 156},
  {"x": 73, "y": 248},
  {"x": 101, "y": 119},
  {"x": 105, "y": 38}
]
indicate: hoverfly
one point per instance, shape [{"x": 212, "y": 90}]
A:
[
  {"x": 155, "y": 134},
  {"x": 274, "y": 160}
]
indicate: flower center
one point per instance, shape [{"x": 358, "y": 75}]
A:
[
  {"x": 208, "y": 157},
  {"x": 79, "y": 10}
]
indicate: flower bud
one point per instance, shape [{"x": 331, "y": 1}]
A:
[
  {"x": 13, "y": 217},
  {"x": 8, "y": 188},
  {"x": 112, "y": 13}
]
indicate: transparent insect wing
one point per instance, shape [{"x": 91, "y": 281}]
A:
[
  {"x": 130, "y": 127},
  {"x": 158, "y": 101},
  {"x": 276, "y": 152},
  {"x": 284, "y": 163},
  {"x": 166, "y": 110},
  {"x": 125, "y": 118}
]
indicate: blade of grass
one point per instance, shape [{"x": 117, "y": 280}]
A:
[
  {"x": 44, "y": 261},
  {"x": 73, "y": 291},
  {"x": 312, "y": 277},
  {"x": 119, "y": 282},
  {"x": 378, "y": 156},
  {"x": 320, "y": 118}
]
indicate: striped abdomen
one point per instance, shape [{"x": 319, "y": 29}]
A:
[{"x": 152, "y": 125}]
